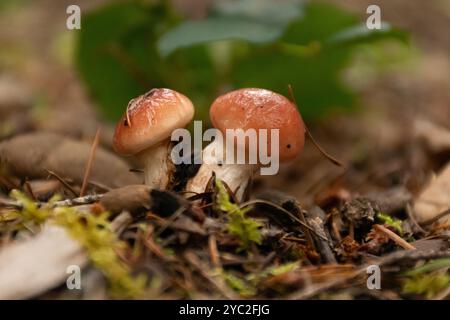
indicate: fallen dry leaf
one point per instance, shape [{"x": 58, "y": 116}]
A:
[
  {"x": 38, "y": 264},
  {"x": 436, "y": 137},
  {"x": 435, "y": 198}
]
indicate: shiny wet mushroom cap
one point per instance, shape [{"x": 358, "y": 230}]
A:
[
  {"x": 253, "y": 108},
  {"x": 145, "y": 129},
  {"x": 150, "y": 119},
  {"x": 249, "y": 108}
]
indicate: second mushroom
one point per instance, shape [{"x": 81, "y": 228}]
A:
[{"x": 249, "y": 108}]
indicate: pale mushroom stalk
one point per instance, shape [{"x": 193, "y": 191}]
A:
[
  {"x": 236, "y": 176},
  {"x": 157, "y": 165}
]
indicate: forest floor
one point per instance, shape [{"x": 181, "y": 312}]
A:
[{"x": 312, "y": 231}]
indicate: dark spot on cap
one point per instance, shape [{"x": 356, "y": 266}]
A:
[{"x": 288, "y": 146}]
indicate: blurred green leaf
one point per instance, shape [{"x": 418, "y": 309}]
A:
[
  {"x": 115, "y": 55},
  {"x": 124, "y": 49},
  {"x": 118, "y": 60},
  {"x": 261, "y": 10},
  {"x": 319, "y": 22},
  {"x": 255, "y": 21},
  {"x": 311, "y": 56},
  {"x": 214, "y": 29},
  {"x": 361, "y": 34}
]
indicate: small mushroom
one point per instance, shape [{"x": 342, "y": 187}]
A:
[
  {"x": 145, "y": 130},
  {"x": 249, "y": 108}
]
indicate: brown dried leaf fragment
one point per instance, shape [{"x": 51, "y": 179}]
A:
[{"x": 31, "y": 155}]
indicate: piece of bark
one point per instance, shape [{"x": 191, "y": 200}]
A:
[
  {"x": 31, "y": 155},
  {"x": 132, "y": 198},
  {"x": 431, "y": 244},
  {"x": 391, "y": 201},
  {"x": 316, "y": 219},
  {"x": 360, "y": 212},
  {"x": 435, "y": 198},
  {"x": 29, "y": 268}
]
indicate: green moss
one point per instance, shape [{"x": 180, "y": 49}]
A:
[
  {"x": 30, "y": 212},
  {"x": 392, "y": 222},
  {"x": 428, "y": 279},
  {"x": 239, "y": 285},
  {"x": 430, "y": 266},
  {"x": 238, "y": 224},
  {"x": 426, "y": 284},
  {"x": 272, "y": 271},
  {"x": 95, "y": 234}
]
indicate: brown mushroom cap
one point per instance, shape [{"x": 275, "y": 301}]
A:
[
  {"x": 150, "y": 119},
  {"x": 261, "y": 109}
]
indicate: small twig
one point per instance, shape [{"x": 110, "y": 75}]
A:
[
  {"x": 215, "y": 258},
  {"x": 89, "y": 163},
  {"x": 88, "y": 199},
  {"x": 202, "y": 269},
  {"x": 390, "y": 259},
  {"x": 63, "y": 181},
  {"x": 334, "y": 226},
  {"x": 315, "y": 143},
  {"x": 91, "y": 198},
  {"x": 436, "y": 218},
  {"x": 150, "y": 243},
  {"x": 394, "y": 237},
  {"x": 256, "y": 201},
  {"x": 308, "y": 235},
  {"x": 351, "y": 231},
  {"x": 188, "y": 191},
  {"x": 29, "y": 190},
  {"x": 409, "y": 212},
  {"x": 100, "y": 185},
  {"x": 170, "y": 220}
]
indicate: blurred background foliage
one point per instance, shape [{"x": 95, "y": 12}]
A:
[{"x": 125, "y": 48}]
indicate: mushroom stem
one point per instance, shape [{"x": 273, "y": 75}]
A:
[
  {"x": 158, "y": 167},
  {"x": 236, "y": 176}
]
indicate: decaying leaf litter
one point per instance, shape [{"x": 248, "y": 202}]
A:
[
  {"x": 132, "y": 241},
  {"x": 314, "y": 238}
]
